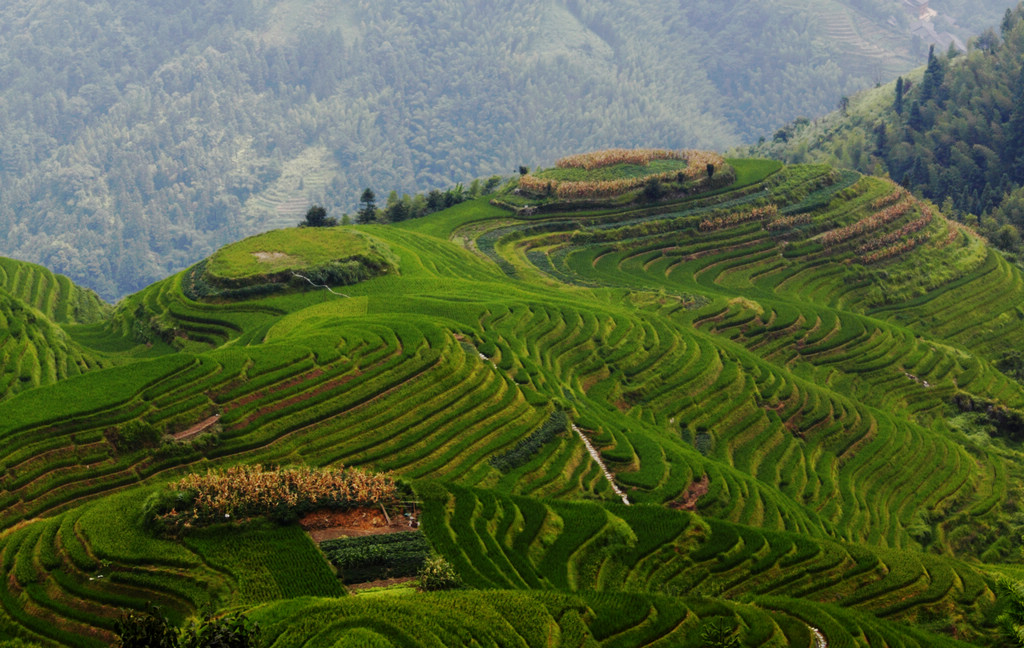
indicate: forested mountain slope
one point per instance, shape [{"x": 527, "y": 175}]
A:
[
  {"x": 730, "y": 395},
  {"x": 135, "y": 138},
  {"x": 953, "y": 132}
]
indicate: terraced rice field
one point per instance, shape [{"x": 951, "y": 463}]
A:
[{"x": 767, "y": 372}]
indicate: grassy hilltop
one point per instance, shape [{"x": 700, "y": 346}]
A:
[{"x": 728, "y": 394}]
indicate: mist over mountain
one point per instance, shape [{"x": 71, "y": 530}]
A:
[{"x": 137, "y": 137}]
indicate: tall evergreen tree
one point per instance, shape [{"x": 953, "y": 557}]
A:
[
  {"x": 368, "y": 210},
  {"x": 934, "y": 74},
  {"x": 916, "y": 119}
]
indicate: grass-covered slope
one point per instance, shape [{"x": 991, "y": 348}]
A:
[
  {"x": 35, "y": 306},
  {"x": 55, "y": 296},
  {"x": 790, "y": 379}
]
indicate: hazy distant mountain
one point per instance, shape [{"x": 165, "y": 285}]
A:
[{"x": 134, "y": 139}]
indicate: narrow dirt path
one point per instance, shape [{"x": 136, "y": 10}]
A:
[{"x": 198, "y": 428}]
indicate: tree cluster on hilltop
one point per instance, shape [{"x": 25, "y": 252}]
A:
[
  {"x": 956, "y": 136},
  {"x": 137, "y": 138}
]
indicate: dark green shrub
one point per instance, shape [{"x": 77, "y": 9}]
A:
[
  {"x": 234, "y": 631},
  {"x": 526, "y": 448},
  {"x": 159, "y": 504},
  {"x": 653, "y": 189},
  {"x": 135, "y": 435},
  {"x": 151, "y": 629},
  {"x": 716, "y": 634},
  {"x": 148, "y": 629}
]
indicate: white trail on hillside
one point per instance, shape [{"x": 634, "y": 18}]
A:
[
  {"x": 597, "y": 457},
  {"x": 819, "y": 638},
  {"x": 315, "y": 285}
]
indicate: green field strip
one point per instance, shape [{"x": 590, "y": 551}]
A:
[
  {"x": 487, "y": 439},
  {"x": 990, "y": 491},
  {"x": 545, "y": 475},
  {"x": 328, "y": 401},
  {"x": 14, "y": 602},
  {"x": 660, "y": 348},
  {"x": 81, "y": 587},
  {"x": 84, "y": 398},
  {"x": 268, "y": 562},
  {"x": 435, "y": 398},
  {"x": 501, "y": 408},
  {"x": 300, "y": 363},
  {"x": 464, "y": 389},
  {"x": 758, "y": 445},
  {"x": 288, "y": 427},
  {"x": 732, "y": 552},
  {"x": 92, "y": 620},
  {"x": 509, "y": 570}
]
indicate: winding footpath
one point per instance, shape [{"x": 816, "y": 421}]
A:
[
  {"x": 597, "y": 457},
  {"x": 315, "y": 285}
]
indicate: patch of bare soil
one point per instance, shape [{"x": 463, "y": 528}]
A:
[
  {"x": 329, "y": 524},
  {"x": 196, "y": 429},
  {"x": 387, "y": 582},
  {"x": 298, "y": 398},
  {"x": 273, "y": 257},
  {"x": 688, "y": 501}
]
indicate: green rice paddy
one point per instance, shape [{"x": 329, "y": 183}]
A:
[{"x": 775, "y": 403}]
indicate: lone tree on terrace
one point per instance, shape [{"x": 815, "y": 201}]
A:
[
  {"x": 317, "y": 217},
  {"x": 368, "y": 212}
]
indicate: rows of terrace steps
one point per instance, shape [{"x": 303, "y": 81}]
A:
[
  {"x": 643, "y": 464},
  {"x": 285, "y": 199},
  {"x": 330, "y": 405},
  {"x": 853, "y": 434},
  {"x": 524, "y": 543},
  {"x": 53, "y": 295},
  {"x": 978, "y": 311},
  {"x": 231, "y": 381},
  {"x": 605, "y": 268},
  {"x": 56, "y": 587},
  {"x": 69, "y": 578},
  {"x": 859, "y": 34},
  {"x": 743, "y": 435},
  {"x": 841, "y": 26},
  {"x": 487, "y": 240},
  {"x": 593, "y": 618},
  {"x": 763, "y": 423},
  {"x": 893, "y": 368},
  {"x": 647, "y": 260},
  {"x": 532, "y": 618},
  {"x": 957, "y": 478},
  {"x": 41, "y": 355},
  {"x": 48, "y": 567},
  {"x": 716, "y": 247},
  {"x": 209, "y": 325}
]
